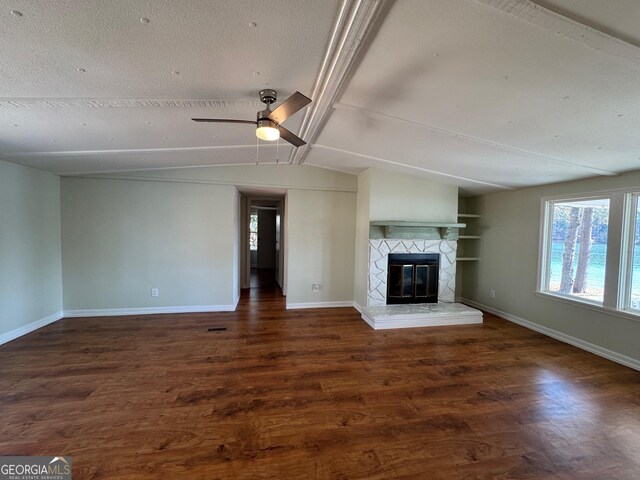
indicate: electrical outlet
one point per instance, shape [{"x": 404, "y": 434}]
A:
[
  {"x": 315, "y": 288},
  {"x": 492, "y": 293},
  {"x": 154, "y": 292}
]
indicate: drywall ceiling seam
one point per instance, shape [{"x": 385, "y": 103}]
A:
[
  {"x": 434, "y": 172},
  {"x": 72, "y": 153},
  {"x": 567, "y": 28},
  {"x": 353, "y": 29},
  {"x": 496, "y": 146},
  {"x": 125, "y": 171},
  {"x": 112, "y": 103},
  {"x": 210, "y": 182},
  {"x": 336, "y": 169}
]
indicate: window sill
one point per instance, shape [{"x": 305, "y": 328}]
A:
[{"x": 596, "y": 307}]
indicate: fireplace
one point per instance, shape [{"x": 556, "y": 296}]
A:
[
  {"x": 379, "y": 251},
  {"x": 412, "y": 278}
]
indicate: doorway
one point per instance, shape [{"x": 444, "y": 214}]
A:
[
  {"x": 263, "y": 242},
  {"x": 263, "y": 248}
]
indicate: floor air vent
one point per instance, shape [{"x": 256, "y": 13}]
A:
[{"x": 217, "y": 329}]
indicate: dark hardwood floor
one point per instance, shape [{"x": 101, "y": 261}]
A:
[
  {"x": 314, "y": 394},
  {"x": 263, "y": 278}
]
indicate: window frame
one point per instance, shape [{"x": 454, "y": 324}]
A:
[
  {"x": 545, "y": 254},
  {"x": 619, "y": 261},
  {"x": 626, "y": 255}
]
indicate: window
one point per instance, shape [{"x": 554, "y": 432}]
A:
[
  {"x": 576, "y": 248},
  {"x": 631, "y": 276},
  {"x": 253, "y": 231},
  {"x": 590, "y": 251}
]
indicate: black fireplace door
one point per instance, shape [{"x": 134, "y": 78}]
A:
[{"x": 413, "y": 278}]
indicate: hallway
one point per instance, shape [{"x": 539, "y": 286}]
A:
[{"x": 263, "y": 279}]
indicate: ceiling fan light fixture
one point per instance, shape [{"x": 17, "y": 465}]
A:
[
  {"x": 268, "y": 123},
  {"x": 267, "y": 131}
]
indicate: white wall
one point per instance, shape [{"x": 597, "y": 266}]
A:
[
  {"x": 362, "y": 238},
  {"x": 121, "y": 238},
  {"x": 30, "y": 261},
  {"x": 177, "y": 230},
  {"x": 237, "y": 246},
  {"x": 508, "y": 250},
  {"x": 321, "y": 242},
  {"x": 395, "y": 196}
]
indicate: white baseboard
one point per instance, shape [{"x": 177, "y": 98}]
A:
[
  {"x": 563, "y": 337},
  {"x": 235, "y": 302},
  {"x": 293, "y": 306},
  {"x": 364, "y": 317},
  {"x": 29, "y": 327},
  {"x": 113, "y": 312}
]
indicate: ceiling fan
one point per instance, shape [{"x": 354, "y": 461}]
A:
[{"x": 269, "y": 122}]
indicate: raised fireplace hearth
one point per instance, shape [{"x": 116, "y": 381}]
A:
[{"x": 412, "y": 278}]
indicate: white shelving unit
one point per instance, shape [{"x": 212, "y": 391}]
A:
[{"x": 470, "y": 235}]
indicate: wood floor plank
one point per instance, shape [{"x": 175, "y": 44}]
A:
[{"x": 314, "y": 394}]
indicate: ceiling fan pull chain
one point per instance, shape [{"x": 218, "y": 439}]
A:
[
  {"x": 277, "y": 150},
  {"x": 257, "y": 150}
]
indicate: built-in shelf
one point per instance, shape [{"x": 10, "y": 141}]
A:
[{"x": 468, "y": 235}]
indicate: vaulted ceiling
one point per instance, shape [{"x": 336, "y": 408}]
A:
[{"x": 483, "y": 94}]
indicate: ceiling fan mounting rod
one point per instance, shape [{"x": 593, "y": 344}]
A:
[{"x": 268, "y": 96}]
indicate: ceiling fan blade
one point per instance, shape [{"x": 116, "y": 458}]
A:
[
  {"x": 290, "y": 137},
  {"x": 291, "y": 105},
  {"x": 223, "y": 120}
]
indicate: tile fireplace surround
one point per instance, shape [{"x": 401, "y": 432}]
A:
[
  {"x": 379, "y": 251},
  {"x": 379, "y": 315}
]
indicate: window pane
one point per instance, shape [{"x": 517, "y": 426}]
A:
[
  {"x": 253, "y": 232},
  {"x": 579, "y": 248},
  {"x": 635, "y": 268}
]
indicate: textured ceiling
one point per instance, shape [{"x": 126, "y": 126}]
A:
[
  {"x": 618, "y": 18},
  {"x": 127, "y": 108},
  {"x": 490, "y": 95},
  {"x": 483, "y": 94}
]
